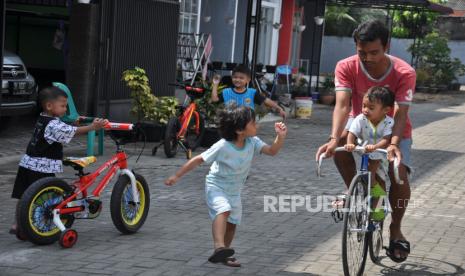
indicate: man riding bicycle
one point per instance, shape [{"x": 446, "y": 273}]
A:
[{"x": 372, "y": 66}]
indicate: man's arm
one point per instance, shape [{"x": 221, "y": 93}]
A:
[
  {"x": 400, "y": 120},
  {"x": 340, "y": 113}
]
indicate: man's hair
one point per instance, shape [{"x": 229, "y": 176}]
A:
[
  {"x": 382, "y": 95},
  {"x": 241, "y": 68},
  {"x": 233, "y": 118},
  {"x": 50, "y": 94},
  {"x": 370, "y": 31}
]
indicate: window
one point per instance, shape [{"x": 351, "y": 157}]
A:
[{"x": 189, "y": 16}]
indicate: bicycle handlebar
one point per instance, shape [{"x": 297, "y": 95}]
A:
[
  {"x": 362, "y": 150},
  {"x": 118, "y": 126},
  {"x": 188, "y": 88}
]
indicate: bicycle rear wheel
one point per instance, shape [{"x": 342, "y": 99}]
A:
[
  {"x": 375, "y": 243},
  {"x": 354, "y": 235},
  {"x": 195, "y": 131}
]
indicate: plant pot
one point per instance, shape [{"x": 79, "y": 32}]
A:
[
  {"x": 327, "y": 99},
  {"x": 210, "y": 137},
  {"x": 151, "y": 132},
  {"x": 315, "y": 96},
  {"x": 230, "y": 65},
  {"x": 421, "y": 89},
  {"x": 217, "y": 65}
]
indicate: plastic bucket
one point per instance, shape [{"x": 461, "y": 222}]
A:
[{"x": 303, "y": 107}]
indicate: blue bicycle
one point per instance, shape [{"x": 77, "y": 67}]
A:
[{"x": 361, "y": 232}]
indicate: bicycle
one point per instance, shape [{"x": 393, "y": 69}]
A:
[
  {"x": 186, "y": 129},
  {"x": 361, "y": 234},
  {"x": 48, "y": 208}
]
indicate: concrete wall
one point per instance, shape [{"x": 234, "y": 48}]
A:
[{"x": 337, "y": 48}]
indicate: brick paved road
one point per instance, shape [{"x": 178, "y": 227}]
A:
[{"x": 176, "y": 238}]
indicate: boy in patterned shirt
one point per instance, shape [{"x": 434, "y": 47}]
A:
[{"x": 44, "y": 152}]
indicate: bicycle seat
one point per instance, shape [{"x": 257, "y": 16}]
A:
[{"x": 79, "y": 163}]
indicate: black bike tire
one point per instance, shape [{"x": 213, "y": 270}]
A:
[
  {"x": 115, "y": 204},
  {"x": 345, "y": 261}
]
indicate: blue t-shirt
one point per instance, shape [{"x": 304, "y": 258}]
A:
[
  {"x": 249, "y": 98},
  {"x": 231, "y": 164}
]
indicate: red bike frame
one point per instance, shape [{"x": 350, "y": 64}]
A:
[
  {"x": 186, "y": 117},
  {"x": 116, "y": 163}
]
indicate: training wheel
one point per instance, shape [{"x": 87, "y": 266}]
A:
[
  {"x": 68, "y": 238},
  {"x": 189, "y": 154}
]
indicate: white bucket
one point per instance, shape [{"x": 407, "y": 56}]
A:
[{"x": 303, "y": 107}]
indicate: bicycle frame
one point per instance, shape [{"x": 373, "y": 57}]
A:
[
  {"x": 363, "y": 171},
  {"x": 116, "y": 166},
  {"x": 185, "y": 118}
]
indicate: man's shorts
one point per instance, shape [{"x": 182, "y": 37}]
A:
[{"x": 405, "y": 147}]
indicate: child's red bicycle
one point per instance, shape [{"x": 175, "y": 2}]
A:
[{"x": 49, "y": 206}]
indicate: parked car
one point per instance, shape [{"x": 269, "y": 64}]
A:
[{"x": 19, "y": 88}]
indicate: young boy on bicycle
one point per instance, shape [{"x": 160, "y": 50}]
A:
[
  {"x": 231, "y": 157},
  {"x": 372, "y": 129},
  {"x": 240, "y": 94},
  {"x": 44, "y": 152}
]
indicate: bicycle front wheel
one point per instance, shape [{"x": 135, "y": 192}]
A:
[
  {"x": 127, "y": 213},
  {"x": 354, "y": 235},
  {"x": 170, "y": 142}
]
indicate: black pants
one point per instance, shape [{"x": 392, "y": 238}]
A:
[{"x": 24, "y": 179}]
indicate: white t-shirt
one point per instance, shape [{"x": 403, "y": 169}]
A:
[
  {"x": 367, "y": 133},
  {"x": 231, "y": 165}
]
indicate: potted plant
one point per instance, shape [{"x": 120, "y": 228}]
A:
[
  {"x": 300, "y": 86},
  {"x": 327, "y": 93},
  {"x": 152, "y": 113}
]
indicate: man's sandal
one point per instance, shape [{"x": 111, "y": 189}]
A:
[
  {"x": 220, "y": 254},
  {"x": 400, "y": 245},
  {"x": 338, "y": 205},
  {"x": 232, "y": 262}
]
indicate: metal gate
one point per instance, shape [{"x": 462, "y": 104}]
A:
[{"x": 139, "y": 33}]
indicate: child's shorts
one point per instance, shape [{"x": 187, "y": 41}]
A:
[
  {"x": 24, "y": 179},
  {"x": 219, "y": 202}
]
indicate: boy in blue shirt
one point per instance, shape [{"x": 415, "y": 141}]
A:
[{"x": 240, "y": 94}]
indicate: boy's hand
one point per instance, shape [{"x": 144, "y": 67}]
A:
[
  {"x": 99, "y": 123},
  {"x": 171, "y": 180},
  {"x": 349, "y": 147},
  {"x": 370, "y": 148},
  {"x": 216, "y": 79},
  {"x": 280, "y": 129}
]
